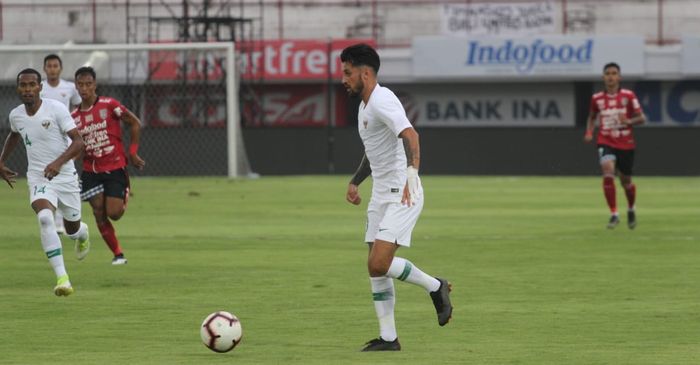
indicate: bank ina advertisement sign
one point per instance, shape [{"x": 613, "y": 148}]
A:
[
  {"x": 544, "y": 56},
  {"x": 489, "y": 104}
]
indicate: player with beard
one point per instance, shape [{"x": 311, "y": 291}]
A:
[{"x": 392, "y": 157}]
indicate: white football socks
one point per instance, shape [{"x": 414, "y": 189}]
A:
[
  {"x": 384, "y": 301},
  {"x": 404, "y": 270},
  {"x": 51, "y": 242}
]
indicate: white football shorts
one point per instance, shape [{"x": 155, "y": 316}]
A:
[
  {"x": 64, "y": 196},
  {"x": 391, "y": 221}
]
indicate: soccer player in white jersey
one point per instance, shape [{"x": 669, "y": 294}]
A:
[
  {"x": 42, "y": 126},
  {"x": 64, "y": 91},
  {"x": 392, "y": 157}
]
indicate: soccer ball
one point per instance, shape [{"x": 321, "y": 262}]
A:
[{"x": 221, "y": 331}]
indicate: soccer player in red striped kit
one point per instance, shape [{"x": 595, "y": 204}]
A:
[
  {"x": 105, "y": 181},
  {"x": 617, "y": 110}
]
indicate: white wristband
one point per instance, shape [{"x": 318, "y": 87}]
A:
[{"x": 413, "y": 182}]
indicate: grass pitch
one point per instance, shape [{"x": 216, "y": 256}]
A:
[{"x": 537, "y": 278}]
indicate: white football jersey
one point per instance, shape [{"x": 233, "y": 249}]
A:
[
  {"x": 380, "y": 122},
  {"x": 44, "y": 136},
  {"x": 65, "y": 92}
]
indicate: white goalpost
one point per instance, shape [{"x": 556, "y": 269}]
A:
[{"x": 178, "y": 86}]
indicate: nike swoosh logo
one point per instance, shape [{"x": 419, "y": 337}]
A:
[
  {"x": 21, "y": 129},
  {"x": 383, "y": 229}
]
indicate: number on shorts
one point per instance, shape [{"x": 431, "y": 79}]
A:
[{"x": 41, "y": 189}]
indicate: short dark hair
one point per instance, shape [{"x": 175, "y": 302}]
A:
[
  {"x": 361, "y": 55},
  {"x": 53, "y": 56},
  {"x": 86, "y": 70},
  {"x": 611, "y": 64},
  {"x": 29, "y": 71}
]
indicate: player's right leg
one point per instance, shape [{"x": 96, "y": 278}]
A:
[
  {"x": 105, "y": 226},
  {"x": 382, "y": 290},
  {"x": 378, "y": 261},
  {"x": 93, "y": 191},
  {"x": 50, "y": 241},
  {"x": 116, "y": 194},
  {"x": 607, "y": 160}
]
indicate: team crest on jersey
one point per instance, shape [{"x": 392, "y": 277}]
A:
[
  {"x": 46, "y": 124},
  {"x": 624, "y": 101},
  {"x": 365, "y": 122},
  {"x": 103, "y": 113}
]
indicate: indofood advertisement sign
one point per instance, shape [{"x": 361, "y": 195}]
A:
[{"x": 543, "y": 56}]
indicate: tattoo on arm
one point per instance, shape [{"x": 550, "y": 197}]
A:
[
  {"x": 407, "y": 149},
  {"x": 412, "y": 152},
  {"x": 362, "y": 172}
]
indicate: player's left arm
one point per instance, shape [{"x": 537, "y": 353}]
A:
[
  {"x": 637, "y": 117},
  {"x": 411, "y": 146},
  {"x": 135, "y": 133},
  {"x": 76, "y": 147}
]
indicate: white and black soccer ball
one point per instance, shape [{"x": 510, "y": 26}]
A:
[{"x": 221, "y": 331}]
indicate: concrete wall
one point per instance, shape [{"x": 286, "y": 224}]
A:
[{"x": 112, "y": 21}]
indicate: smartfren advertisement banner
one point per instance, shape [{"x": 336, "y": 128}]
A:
[
  {"x": 488, "y": 105},
  {"x": 556, "y": 56}
]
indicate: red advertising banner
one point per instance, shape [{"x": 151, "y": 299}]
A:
[
  {"x": 261, "y": 60},
  {"x": 289, "y": 105},
  {"x": 174, "y": 106},
  {"x": 293, "y": 106},
  {"x": 293, "y": 59},
  {"x": 177, "y": 65}
]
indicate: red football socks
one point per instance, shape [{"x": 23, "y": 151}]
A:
[
  {"x": 609, "y": 191},
  {"x": 107, "y": 232},
  {"x": 631, "y": 193}
]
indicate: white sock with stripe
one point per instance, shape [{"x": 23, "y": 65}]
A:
[
  {"x": 384, "y": 301},
  {"x": 51, "y": 242},
  {"x": 404, "y": 270}
]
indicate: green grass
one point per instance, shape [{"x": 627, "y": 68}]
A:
[{"x": 537, "y": 278}]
